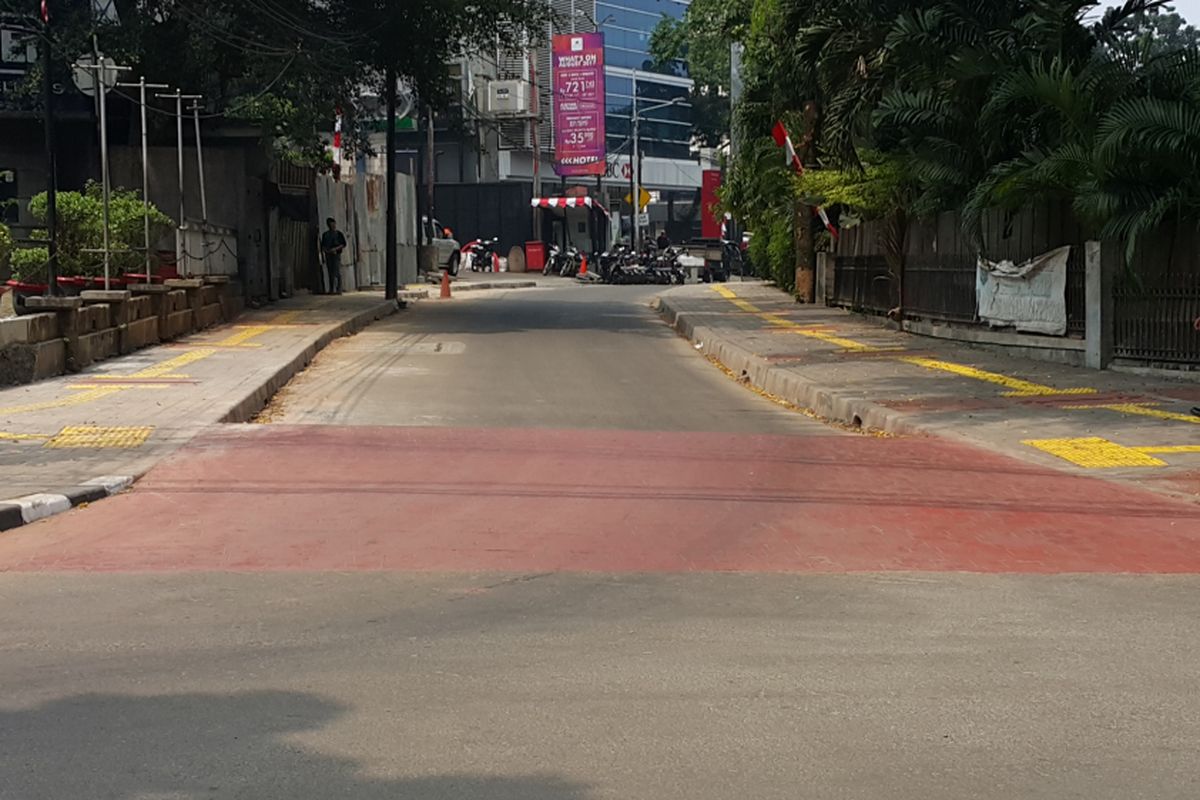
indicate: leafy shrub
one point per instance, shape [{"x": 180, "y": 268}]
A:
[
  {"x": 29, "y": 264},
  {"x": 81, "y": 229},
  {"x": 6, "y": 246}
]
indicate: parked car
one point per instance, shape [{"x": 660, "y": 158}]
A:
[{"x": 446, "y": 253}]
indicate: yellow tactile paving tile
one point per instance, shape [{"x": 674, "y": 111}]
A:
[
  {"x": 93, "y": 438},
  {"x": 1094, "y": 452}
]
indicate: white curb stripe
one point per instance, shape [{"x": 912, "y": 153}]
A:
[
  {"x": 37, "y": 506},
  {"x": 111, "y": 483}
]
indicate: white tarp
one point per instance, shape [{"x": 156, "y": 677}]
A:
[{"x": 1030, "y": 297}]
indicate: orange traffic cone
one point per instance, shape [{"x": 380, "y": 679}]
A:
[
  {"x": 445, "y": 284},
  {"x": 583, "y": 267}
]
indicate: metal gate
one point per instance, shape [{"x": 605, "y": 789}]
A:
[
  {"x": 1156, "y": 301},
  {"x": 475, "y": 210}
]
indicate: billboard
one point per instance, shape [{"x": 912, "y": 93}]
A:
[{"x": 577, "y": 61}]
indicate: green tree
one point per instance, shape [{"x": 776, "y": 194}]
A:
[{"x": 702, "y": 40}]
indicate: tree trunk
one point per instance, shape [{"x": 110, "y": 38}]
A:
[{"x": 806, "y": 257}]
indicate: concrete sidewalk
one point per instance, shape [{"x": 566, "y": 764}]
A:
[
  {"x": 101, "y": 427},
  {"x": 857, "y": 371}
]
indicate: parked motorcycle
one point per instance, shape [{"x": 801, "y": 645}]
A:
[{"x": 480, "y": 254}]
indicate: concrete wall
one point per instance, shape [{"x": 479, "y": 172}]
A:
[
  {"x": 234, "y": 193},
  {"x": 80, "y": 331}
]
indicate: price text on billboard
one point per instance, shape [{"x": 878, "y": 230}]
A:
[{"x": 578, "y": 60}]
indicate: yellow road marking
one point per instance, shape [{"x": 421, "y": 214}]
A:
[
  {"x": 88, "y": 437},
  {"x": 168, "y": 367},
  {"x": 1144, "y": 410},
  {"x": 285, "y": 317},
  {"x": 244, "y": 335},
  {"x": 840, "y": 341},
  {"x": 1170, "y": 448},
  {"x": 793, "y": 327},
  {"x": 64, "y": 402},
  {"x": 21, "y": 437},
  {"x": 117, "y": 384},
  {"x": 1018, "y": 387}
]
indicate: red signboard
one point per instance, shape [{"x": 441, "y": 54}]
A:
[
  {"x": 710, "y": 219},
  {"x": 578, "y": 65}
]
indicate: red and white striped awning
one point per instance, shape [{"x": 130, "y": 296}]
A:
[{"x": 567, "y": 202}]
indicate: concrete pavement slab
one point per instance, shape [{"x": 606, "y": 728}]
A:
[
  {"x": 120, "y": 416},
  {"x": 857, "y": 371}
]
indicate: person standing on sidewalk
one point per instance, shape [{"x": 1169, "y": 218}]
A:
[{"x": 332, "y": 245}]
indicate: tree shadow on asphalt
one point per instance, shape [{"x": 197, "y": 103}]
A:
[{"x": 183, "y": 746}]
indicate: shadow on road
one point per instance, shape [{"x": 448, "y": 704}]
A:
[{"x": 246, "y": 745}]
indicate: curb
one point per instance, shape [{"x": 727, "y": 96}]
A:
[
  {"x": 32, "y": 507},
  {"x": 824, "y": 401},
  {"x": 245, "y": 409},
  {"x": 474, "y": 287}
]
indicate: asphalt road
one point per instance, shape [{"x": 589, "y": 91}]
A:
[{"x": 530, "y": 546}]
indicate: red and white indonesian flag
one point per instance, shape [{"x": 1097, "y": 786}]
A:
[
  {"x": 780, "y": 134},
  {"x": 828, "y": 225}
]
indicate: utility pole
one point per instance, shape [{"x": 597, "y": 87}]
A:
[
  {"x": 104, "y": 81},
  {"x": 200, "y": 162},
  {"x": 51, "y": 168},
  {"x": 179, "y": 97},
  {"x": 142, "y": 86},
  {"x": 431, "y": 161},
  {"x": 537, "y": 145},
  {"x": 635, "y": 165},
  {"x": 391, "y": 280}
]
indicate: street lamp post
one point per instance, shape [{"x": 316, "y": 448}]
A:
[{"x": 634, "y": 165}]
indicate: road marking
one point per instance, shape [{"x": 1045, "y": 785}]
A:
[
  {"x": 1018, "y": 387},
  {"x": 22, "y": 437},
  {"x": 87, "y": 437},
  {"x": 286, "y": 317},
  {"x": 1094, "y": 452},
  {"x": 244, "y": 335},
  {"x": 794, "y": 327},
  {"x": 840, "y": 341},
  {"x": 1143, "y": 410},
  {"x": 167, "y": 368},
  {"x": 64, "y": 402}
]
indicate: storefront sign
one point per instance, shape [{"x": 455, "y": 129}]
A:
[{"x": 578, "y": 65}]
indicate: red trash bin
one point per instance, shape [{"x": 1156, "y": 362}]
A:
[{"x": 535, "y": 256}]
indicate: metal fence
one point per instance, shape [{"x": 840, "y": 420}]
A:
[
  {"x": 1156, "y": 300},
  {"x": 939, "y": 271},
  {"x": 863, "y": 283}
]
